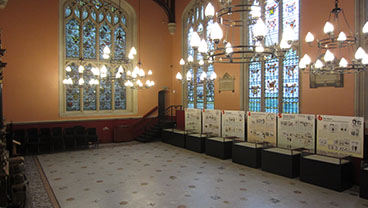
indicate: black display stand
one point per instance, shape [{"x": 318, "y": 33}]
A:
[
  {"x": 328, "y": 172},
  {"x": 247, "y": 153},
  {"x": 283, "y": 162},
  {"x": 196, "y": 142},
  {"x": 174, "y": 137},
  {"x": 219, "y": 147},
  {"x": 364, "y": 181}
]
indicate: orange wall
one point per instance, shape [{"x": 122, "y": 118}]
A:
[
  {"x": 324, "y": 100},
  {"x": 30, "y": 35}
]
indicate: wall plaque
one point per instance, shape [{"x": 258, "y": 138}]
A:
[
  {"x": 326, "y": 80},
  {"x": 226, "y": 83}
]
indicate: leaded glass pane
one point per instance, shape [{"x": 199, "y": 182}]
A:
[
  {"x": 290, "y": 102},
  {"x": 271, "y": 85},
  {"x": 93, "y": 24},
  {"x": 85, "y": 14},
  {"x": 81, "y": 3},
  {"x": 123, "y": 20},
  {"x": 290, "y": 71},
  {"x": 190, "y": 98},
  {"x": 116, "y": 19},
  {"x": 89, "y": 40},
  {"x": 108, "y": 16},
  {"x": 120, "y": 95},
  {"x": 210, "y": 90},
  {"x": 255, "y": 88},
  {"x": 291, "y": 16},
  {"x": 120, "y": 43},
  {"x": 72, "y": 39},
  {"x": 105, "y": 38},
  {"x": 72, "y": 91},
  {"x": 97, "y": 4},
  {"x": 105, "y": 92},
  {"x": 202, "y": 13},
  {"x": 200, "y": 28},
  {"x": 77, "y": 13},
  {"x": 100, "y": 17},
  {"x": 89, "y": 91},
  {"x": 200, "y": 93},
  {"x": 68, "y": 11},
  {"x": 291, "y": 83},
  {"x": 93, "y": 15},
  {"x": 272, "y": 23}
]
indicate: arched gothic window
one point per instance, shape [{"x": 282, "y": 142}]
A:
[
  {"x": 274, "y": 85},
  {"x": 197, "y": 93},
  {"x": 87, "y": 27}
]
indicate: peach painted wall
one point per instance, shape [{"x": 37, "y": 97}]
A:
[
  {"x": 325, "y": 100},
  {"x": 30, "y": 35}
]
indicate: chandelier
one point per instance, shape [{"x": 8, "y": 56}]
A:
[
  {"x": 247, "y": 13},
  {"x": 127, "y": 74},
  {"x": 330, "y": 59},
  {"x": 193, "y": 62}
]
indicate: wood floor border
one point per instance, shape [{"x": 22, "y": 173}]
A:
[{"x": 46, "y": 184}]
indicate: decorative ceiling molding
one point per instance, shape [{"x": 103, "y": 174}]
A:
[
  {"x": 3, "y": 3},
  {"x": 169, "y": 7}
]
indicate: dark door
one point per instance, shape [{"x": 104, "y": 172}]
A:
[{"x": 161, "y": 103}]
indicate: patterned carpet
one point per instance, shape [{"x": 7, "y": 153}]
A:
[
  {"x": 159, "y": 175},
  {"x": 37, "y": 196}
]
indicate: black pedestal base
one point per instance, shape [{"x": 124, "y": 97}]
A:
[
  {"x": 174, "y": 137},
  {"x": 364, "y": 183},
  {"x": 195, "y": 142},
  {"x": 327, "y": 172},
  {"x": 248, "y": 154},
  {"x": 282, "y": 162},
  {"x": 219, "y": 147}
]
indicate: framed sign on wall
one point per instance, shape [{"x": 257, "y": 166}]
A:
[{"x": 326, "y": 80}]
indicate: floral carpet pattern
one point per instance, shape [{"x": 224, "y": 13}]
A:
[
  {"x": 37, "y": 196},
  {"x": 159, "y": 175}
]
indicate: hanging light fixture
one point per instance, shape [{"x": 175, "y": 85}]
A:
[
  {"x": 127, "y": 74},
  {"x": 330, "y": 58},
  {"x": 199, "y": 46},
  {"x": 230, "y": 16}
]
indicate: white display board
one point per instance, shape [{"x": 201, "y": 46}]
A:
[
  {"x": 261, "y": 127},
  {"x": 233, "y": 124},
  {"x": 340, "y": 135},
  {"x": 296, "y": 131},
  {"x": 211, "y": 122},
  {"x": 193, "y": 120}
]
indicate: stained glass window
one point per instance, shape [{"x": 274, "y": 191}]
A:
[
  {"x": 265, "y": 82},
  {"x": 90, "y": 25},
  {"x": 255, "y": 86},
  {"x": 199, "y": 93}
]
